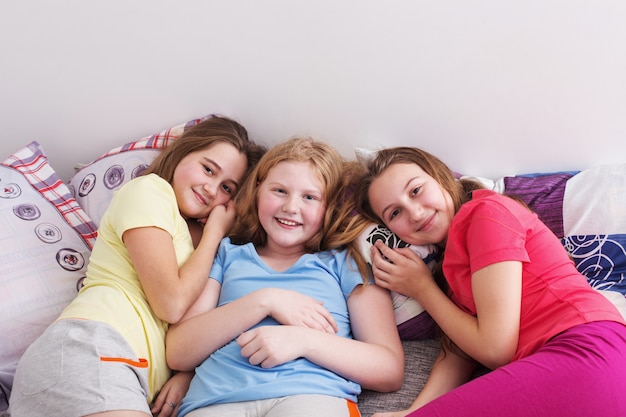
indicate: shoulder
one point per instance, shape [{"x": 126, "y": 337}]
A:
[
  {"x": 333, "y": 255},
  {"x": 150, "y": 197},
  {"x": 230, "y": 251},
  {"x": 145, "y": 187},
  {"x": 491, "y": 203},
  {"x": 339, "y": 261},
  {"x": 151, "y": 181}
]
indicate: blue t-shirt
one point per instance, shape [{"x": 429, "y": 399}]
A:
[{"x": 226, "y": 376}]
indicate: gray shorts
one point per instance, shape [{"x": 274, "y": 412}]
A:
[
  {"x": 76, "y": 368},
  {"x": 292, "y": 406}
]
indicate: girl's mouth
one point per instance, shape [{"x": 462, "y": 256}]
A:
[
  {"x": 200, "y": 198},
  {"x": 287, "y": 222},
  {"x": 427, "y": 223}
]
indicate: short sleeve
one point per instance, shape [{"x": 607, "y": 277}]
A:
[
  {"x": 143, "y": 202},
  {"x": 495, "y": 234}
]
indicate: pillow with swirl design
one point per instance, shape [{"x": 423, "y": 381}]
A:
[{"x": 413, "y": 322}]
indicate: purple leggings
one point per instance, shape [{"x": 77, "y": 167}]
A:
[{"x": 578, "y": 373}]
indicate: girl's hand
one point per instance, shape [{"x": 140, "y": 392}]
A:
[
  {"x": 270, "y": 346},
  {"x": 290, "y": 307},
  {"x": 167, "y": 402},
  {"x": 400, "y": 270},
  {"x": 221, "y": 218}
]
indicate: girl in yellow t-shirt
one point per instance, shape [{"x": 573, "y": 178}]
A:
[{"x": 105, "y": 355}]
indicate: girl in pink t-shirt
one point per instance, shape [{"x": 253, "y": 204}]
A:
[{"x": 509, "y": 297}]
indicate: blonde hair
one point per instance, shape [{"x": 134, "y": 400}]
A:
[{"x": 328, "y": 166}]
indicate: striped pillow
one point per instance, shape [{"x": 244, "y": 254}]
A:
[{"x": 45, "y": 243}]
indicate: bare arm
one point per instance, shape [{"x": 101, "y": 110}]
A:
[
  {"x": 375, "y": 336},
  {"x": 206, "y": 328},
  {"x": 171, "y": 290},
  {"x": 492, "y": 335},
  {"x": 449, "y": 371}
]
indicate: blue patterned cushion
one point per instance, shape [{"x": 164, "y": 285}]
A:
[
  {"x": 594, "y": 223},
  {"x": 601, "y": 258}
]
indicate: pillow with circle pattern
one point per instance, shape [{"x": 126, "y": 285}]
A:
[
  {"x": 94, "y": 183},
  {"x": 45, "y": 243}
]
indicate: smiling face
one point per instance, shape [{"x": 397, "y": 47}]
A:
[
  {"x": 208, "y": 178},
  {"x": 291, "y": 206},
  {"x": 412, "y": 204}
]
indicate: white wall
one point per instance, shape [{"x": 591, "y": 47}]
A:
[{"x": 493, "y": 87}]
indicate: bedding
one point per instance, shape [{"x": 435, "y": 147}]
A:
[
  {"x": 47, "y": 229},
  {"x": 45, "y": 242}
]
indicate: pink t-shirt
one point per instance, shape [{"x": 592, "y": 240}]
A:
[{"x": 492, "y": 228}]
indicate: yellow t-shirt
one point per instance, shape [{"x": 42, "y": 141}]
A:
[{"x": 112, "y": 293}]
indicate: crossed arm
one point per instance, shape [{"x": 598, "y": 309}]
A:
[{"x": 308, "y": 330}]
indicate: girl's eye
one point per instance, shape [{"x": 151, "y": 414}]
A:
[
  {"x": 208, "y": 170},
  {"x": 310, "y": 197},
  {"x": 393, "y": 214},
  {"x": 415, "y": 191},
  {"x": 227, "y": 189}
]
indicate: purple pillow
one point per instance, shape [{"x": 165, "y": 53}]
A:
[{"x": 543, "y": 193}]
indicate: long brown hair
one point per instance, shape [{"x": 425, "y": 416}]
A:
[
  {"x": 329, "y": 168},
  {"x": 459, "y": 190},
  {"x": 205, "y": 134}
]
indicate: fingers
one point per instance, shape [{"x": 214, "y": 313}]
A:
[
  {"x": 169, "y": 409},
  {"x": 165, "y": 408},
  {"x": 252, "y": 349},
  {"x": 323, "y": 321}
]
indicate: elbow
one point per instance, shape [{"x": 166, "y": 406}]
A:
[
  {"x": 495, "y": 363},
  {"x": 394, "y": 372},
  {"x": 172, "y": 357},
  {"x": 175, "y": 363},
  {"x": 172, "y": 317},
  {"x": 175, "y": 357},
  {"x": 395, "y": 380},
  {"x": 497, "y": 358},
  {"x": 389, "y": 378},
  {"x": 171, "y": 313},
  {"x": 391, "y": 381}
]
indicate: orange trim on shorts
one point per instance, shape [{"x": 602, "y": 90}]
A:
[
  {"x": 353, "y": 409},
  {"x": 140, "y": 363}
]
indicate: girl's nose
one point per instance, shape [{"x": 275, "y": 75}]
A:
[
  {"x": 289, "y": 206},
  {"x": 417, "y": 213},
  {"x": 211, "y": 189}
]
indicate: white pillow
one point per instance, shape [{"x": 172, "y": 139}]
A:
[{"x": 45, "y": 243}]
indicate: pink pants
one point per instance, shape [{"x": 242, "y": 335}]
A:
[{"x": 578, "y": 373}]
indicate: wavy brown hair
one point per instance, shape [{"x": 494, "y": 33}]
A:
[
  {"x": 214, "y": 129},
  {"x": 329, "y": 167},
  {"x": 460, "y": 190}
]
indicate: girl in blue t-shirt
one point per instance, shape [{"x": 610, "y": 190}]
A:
[{"x": 287, "y": 323}]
